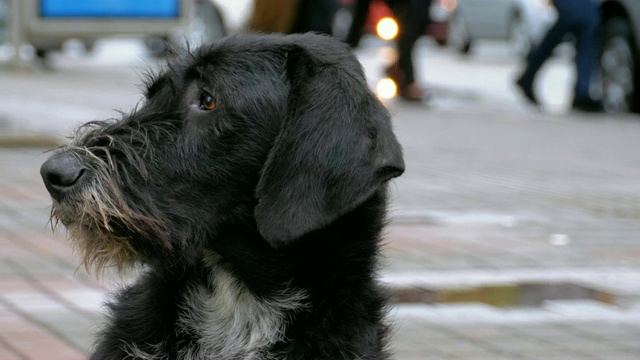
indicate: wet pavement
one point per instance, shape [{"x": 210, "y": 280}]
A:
[{"x": 514, "y": 233}]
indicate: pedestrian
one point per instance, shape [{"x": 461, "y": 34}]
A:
[
  {"x": 582, "y": 19},
  {"x": 271, "y": 16},
  {"x": 412, "y": 17},
  {"x": 315, "y": 15},
  {"x": 292, "y": 16}
]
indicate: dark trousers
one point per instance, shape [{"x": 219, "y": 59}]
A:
[
  {"x": 582, "y": 19},
  {"x": 412, "y": 17},
  {"x": 314, "y": 15}
]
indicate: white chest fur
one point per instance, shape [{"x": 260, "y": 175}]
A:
[{"x": 230, "y": 321}]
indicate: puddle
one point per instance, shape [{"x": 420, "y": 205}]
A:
[
  {"x": 511, "y": 295},
  {"x": 443, "y": 217}
]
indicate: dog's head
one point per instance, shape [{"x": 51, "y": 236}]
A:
[{"x": 277, "y": 131}]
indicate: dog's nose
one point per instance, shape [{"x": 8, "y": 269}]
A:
[{"x": 60, "y": 174}]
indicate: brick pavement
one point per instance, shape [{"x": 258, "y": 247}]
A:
[
  {"x": 492, "y": 200},
  {"x": 496, "y": 198},
  {"x": 49, "y": 308}
]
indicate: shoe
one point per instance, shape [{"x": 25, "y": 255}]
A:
[
  {"x": 393, "y": 72},
  {"x": 413, "y": 92},
  {"x": 410, "y": 92},
  {"x": 527, "y": 90},
  {"x": 587, "y": 105}
]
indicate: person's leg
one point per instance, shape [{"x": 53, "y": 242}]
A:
[
  {"x": 586, "y": 49},
  {"x": 360, "y": 13},
  {"x": 540, "y": 53},
  {"x": 314, "y": 15},
  {"x": 413, "y": 17}
]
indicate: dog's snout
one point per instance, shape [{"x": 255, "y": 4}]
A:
[{"x": 60, "y": 174}]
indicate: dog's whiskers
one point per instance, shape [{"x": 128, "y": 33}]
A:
[{"x": 101, "y": 205}]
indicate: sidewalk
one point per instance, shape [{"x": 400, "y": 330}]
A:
[
  {"x": 537, "y": 214},
  {"x": 514, "y": 234}
]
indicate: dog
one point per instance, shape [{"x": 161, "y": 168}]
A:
[{"x": 249, "y": 190}]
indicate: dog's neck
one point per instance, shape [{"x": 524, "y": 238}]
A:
[
  {"x": 229, "y": 319},
  {"x": 245, "y": 297},
  {"x": 346, "y": 249}
]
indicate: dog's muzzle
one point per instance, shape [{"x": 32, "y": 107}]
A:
[{"x": 61, "y": 173}]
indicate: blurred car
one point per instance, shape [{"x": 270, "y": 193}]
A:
[
  {"x": 620, "y": 55},
  {"x": 380, "y": 20},
  {"x": 48, "y": 24},
  {"x": 520, "y": 22}
]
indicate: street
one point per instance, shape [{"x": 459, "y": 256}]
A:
[{"x": 515, "y": 232}]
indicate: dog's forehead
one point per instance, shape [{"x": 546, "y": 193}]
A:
[
  {"x": 236, "y": 53},
  {"x": 245, "y": 44},
  {"x": 249, "y": 59}
]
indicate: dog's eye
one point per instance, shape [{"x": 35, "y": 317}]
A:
[{"x": 207, "y": 102}]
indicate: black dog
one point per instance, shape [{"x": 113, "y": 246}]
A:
[{"x": 251, "y": 187}]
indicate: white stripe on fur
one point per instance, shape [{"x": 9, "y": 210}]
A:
[{"x": 231, "y": 321}]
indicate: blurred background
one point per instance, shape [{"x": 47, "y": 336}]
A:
[{"x": 515, "y": 232}]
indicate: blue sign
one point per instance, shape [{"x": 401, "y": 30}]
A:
[{"x": 110, "y": 8}]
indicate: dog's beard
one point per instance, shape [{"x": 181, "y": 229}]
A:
[{"x": 100, "y": 222}]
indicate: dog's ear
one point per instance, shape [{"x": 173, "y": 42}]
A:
[{"x": 335, "y": 147}]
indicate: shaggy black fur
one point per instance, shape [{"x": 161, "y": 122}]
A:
[{"x": 251, "y": 186}]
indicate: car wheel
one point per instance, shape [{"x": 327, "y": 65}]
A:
[
  {"x": 459, "y": 36},
  {"x": 618, "y": 73},
  {"x": 341, "y": 22},
  {"x": 157, "y": 47},
  {"x": 207, "y": 24},
  {"x": 89, "y": 45},
  {"x": 519, "y": 36}
]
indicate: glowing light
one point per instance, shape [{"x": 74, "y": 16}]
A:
[
  {"x": 387, "y": 28},
  {"x": 386, "y": 89}
]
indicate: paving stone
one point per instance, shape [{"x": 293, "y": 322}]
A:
[
  {"x": 31, "y": 341},
  {"x": 9, "y": 354}
]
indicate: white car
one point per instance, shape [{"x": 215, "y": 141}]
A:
[{"x": 520, "y": 22}]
